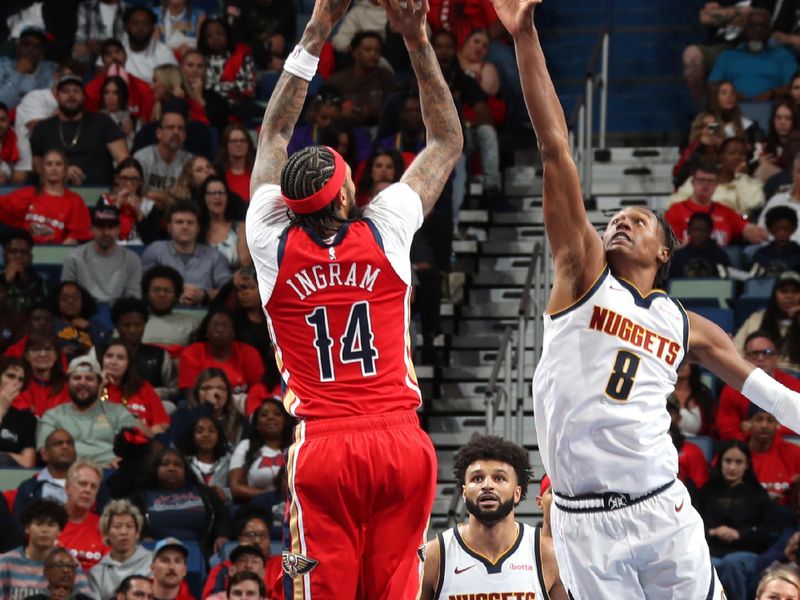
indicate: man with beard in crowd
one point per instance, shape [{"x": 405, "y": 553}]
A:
[
  {"x": 492, "y": 552},
  {"x": 92, "y": 424}
]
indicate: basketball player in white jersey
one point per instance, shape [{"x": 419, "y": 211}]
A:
[
  {"x": 492, "y": 555},
  {"x": 623, "y": 526}
]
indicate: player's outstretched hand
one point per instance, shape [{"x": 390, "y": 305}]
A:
[
  {"x": 516, "y": 15},
  {"x": 329, "y": 11},
  {"x": 407, "y": 17}
]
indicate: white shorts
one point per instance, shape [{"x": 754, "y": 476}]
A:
[{"x": 653, "y": 549}]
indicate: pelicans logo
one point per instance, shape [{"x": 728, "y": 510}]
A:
[{"x": 297, "y": 564}]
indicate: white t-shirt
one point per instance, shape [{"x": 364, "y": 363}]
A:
[
  {"x": 34, "y": 106},
  {"x": 142, "y": 64},
  {"x": 108, "y": 13},
  {"x": 264, "y": 470},
  {"x": 396, "y": 213}
]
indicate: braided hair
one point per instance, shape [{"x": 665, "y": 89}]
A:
[{"x": 305, "y": 173}]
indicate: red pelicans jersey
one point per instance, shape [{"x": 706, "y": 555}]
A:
[{"x": 338, "y": 309}]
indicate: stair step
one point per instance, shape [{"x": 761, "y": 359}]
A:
[
  {"x": 457, "y": 373},
  {"x": 472, "y": 358},
  {"x": 463, "y": 405},
  {"x": 508, "y": 248}
]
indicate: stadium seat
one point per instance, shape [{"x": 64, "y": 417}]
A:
[
  {"x": 11, "y": 477},
  {"x": 746, "y": 306},
  {"x": 758, "y": 287},
  {"x": 757, "y": 111},
  {"x": 734, "y": 255},
  {"x": 720, "y": 290},
  {"x": 705, "y": 443},
  {"x": 723, "y": 317}
]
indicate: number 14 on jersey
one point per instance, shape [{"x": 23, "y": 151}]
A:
[{"x": 355, "y": 345}]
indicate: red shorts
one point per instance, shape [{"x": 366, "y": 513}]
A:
[{"x": 360, "y": 494}]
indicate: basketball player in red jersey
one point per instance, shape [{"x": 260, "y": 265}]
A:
[{"x": 336, "y": 294}]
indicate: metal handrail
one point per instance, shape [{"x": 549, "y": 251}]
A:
[{"x": 492, "y": 397}]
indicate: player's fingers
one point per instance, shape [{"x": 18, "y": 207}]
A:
[{"x": 424, "y": 6}]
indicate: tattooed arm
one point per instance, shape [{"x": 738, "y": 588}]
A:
[
  {"x": 431, "y": 168},
  {"x": 287, "y": 99}
]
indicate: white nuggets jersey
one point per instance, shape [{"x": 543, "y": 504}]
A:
[
  {"x": 466, "y": 575},
  {"x": 599, "y": 392}
]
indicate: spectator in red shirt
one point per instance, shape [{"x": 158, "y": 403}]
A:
[
  {"x": 237, "y": 153},
  {"x": 692, "y": 466},
  {"x": 82, "y": 535},
  {"x": 46, "y": 388},
  {"x": 50, "y": 212},
  {"x": 775, "y": 461},
  {"x": 123, "y": 385},
  {"x": 732, "y": 415},
  {"x": 9, "y": 152},
  {"x": 215, "y": 346},
  {"x": 729, "y": 225},
  {"x": 140, "y": 97}
]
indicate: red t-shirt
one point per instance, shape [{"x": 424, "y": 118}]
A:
[
  {"x": 733, "y": 407},
  {"x": 728, "y": 224},
  {"x": 257, "y": 394},
  {"x": 144, "y": 404},
  {"x": 273, "y": 578},
  {"x": 776, "y": 469},
  {"x": 244, "y": 366},
  {"x": 692, "y": 465},
  {"x": 85, "y": 541},
  {"x": 239, "y": 184},
  {"x": 39, "y": 397},
  {"x": 140, "y": 97},
  {"x": 461, "y": 16},
  {"x": 49, "y": 219}
]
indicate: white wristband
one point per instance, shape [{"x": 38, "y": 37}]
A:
[
  {"x": 774, "y": 397},
  {"x": 301, "y": 64}
]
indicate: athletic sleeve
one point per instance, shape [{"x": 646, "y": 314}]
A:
[
  {"x": 397, "y": 214},
  {"x": 266, "y": 219}
]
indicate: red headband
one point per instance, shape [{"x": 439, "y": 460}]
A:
[{"x": 326, "y": 195}]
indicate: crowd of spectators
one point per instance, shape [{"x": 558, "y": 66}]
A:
[{"x": 138, "y": 377}]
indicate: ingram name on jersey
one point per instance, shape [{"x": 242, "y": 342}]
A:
[{"x": 599, "y": 392}]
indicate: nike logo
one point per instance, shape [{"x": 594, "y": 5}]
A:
[
  {"x": 458, "y": 571},
  {"x": 679, "y": 507}
]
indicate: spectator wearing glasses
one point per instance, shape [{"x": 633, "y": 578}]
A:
[
  {"x": 61, "y": 571},
  {"x": 732, "y": 417}
]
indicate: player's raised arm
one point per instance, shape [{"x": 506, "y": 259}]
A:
[
  {"x": 712, "y": 348},
  {"x": 431, "y": 168},
  {"x": 577, "y": 249},
  {"x": 287, "y": 99}
]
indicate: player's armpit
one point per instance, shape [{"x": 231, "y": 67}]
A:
[
  {"x": 430, "y": 573},
  {"x": 713, "y": 348}
]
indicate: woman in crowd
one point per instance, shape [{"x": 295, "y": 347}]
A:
[
  {"x": 692, "y": 465},
  {"x": 114, "y": 102},
  {"x": 47, "y": 385},
  {"x": 383, "y": 166},
  {"x": 219, "y": 226},
  {"x": 77, "y": 329},
  {"x": 50, "y": 212},
  {"x": 257, "y": 460},
  {"x": 237, "y": 153},
  {"x": 695, "y": 401},
  {"x": 215, "y": 346},
  {"x": 18, "y": 443},
  {"x": 724, "y": 104},
  {"x": 472, "y": 58},
  {"x": 178, "y": 24},
  {"x": 208, "y": 451},
  {"x": 779, "y": 319},
  {"x": 705, "y": 139},
  {"x": 123, "y": 385},
  {"x": 175, "y": 504},
  {"x": 738, "y": 515},
  {"x": 782, "y": 583},
  {"x": 790, "y": 198},
  {"x": 193, "y": 174},
  {"x": 782, "y": 143},
  {"x": 230, "y": 70},
  {"x": 167, "y": 84},
  {"x": 205, "y": 105},
  {"x": 211, "y": 396}
]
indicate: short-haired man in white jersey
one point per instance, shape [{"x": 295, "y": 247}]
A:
[
  {"x": 336, "y": 291},
  {"x": 623, "y": 526},
  {"x": 492, "y": 555}
]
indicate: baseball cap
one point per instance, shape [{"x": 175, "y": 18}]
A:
[
  {"x": 170, "y": 543},
  {"x": 83, "y": 363},
  {"x": 788, "y": 277},
  {"x": 69, "y": 78},
  {"x": 33, "y": 30},
  {"x": 243, "y": 549},
  {"x": 105, "y": 215}
]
